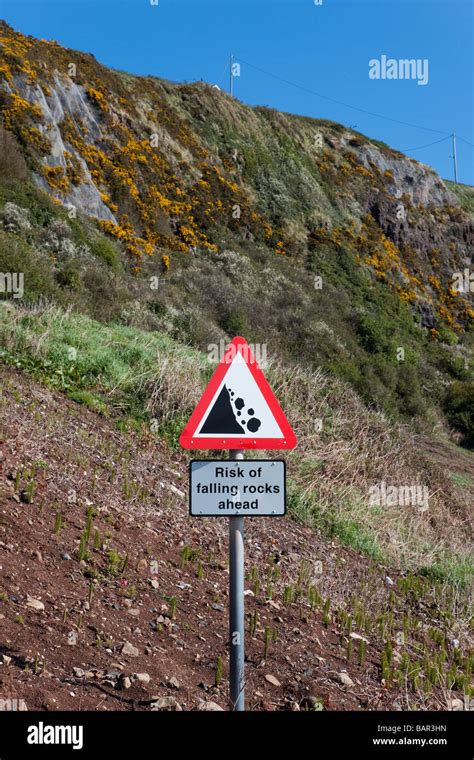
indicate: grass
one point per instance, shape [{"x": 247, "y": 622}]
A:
[
  {"x": 115, "y": 368},
  {"x": 460, "y": 479},
  {"x": 464, "y": 193}
]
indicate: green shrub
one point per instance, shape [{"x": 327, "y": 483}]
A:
[{"x": 459, "y": 409}]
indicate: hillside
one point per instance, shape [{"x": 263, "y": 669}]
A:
[
  {"x": 98, "y": 551},
  {"x": 151, "y": 222}
]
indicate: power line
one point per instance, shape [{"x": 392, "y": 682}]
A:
[
  {"x": 428, "y": 145},
  {"x": 464, "y": 140},
  {"x": 340, "y": 102}
]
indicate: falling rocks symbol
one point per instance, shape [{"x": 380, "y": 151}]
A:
[{"x": 223, "y": 416}]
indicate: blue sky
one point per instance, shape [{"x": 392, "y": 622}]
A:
[{"x": 325, "y": 49}]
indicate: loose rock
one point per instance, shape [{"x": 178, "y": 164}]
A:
[
  {"x": 345, "y": 679},
  {"x": 166, "y": 703},
  {"x": 209, "y": 706},
  {"x": 34, "y": 604},
  {"x": 129, "y": 649},
  {"x": 271, "y": 679}
]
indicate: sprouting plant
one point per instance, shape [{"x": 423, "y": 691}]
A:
[
  {"x": 189, "y": 554},
  {"x": 20, "y": 620},
  {"x": 362, "y": 651},
  {"x": 253, "y": 575},
  {"x": 37, "y": 664},
  {"x": 326, "y": 615},
  {"x": 415, "y": 676},
  {"x": 289, "y": 594},
  {"x": 124, "y": 564},
  {"x": 269, "y": 593},
  {"x": 385, "y": 667},
  {"x": 253, "y": 624},
  {"x": 185, "y": 554},
  {"x": 114, "y": 560},
  {"x": 82, "y": 551},
  {"x": 58, "y": 522},
  {"x": 314, "y": 597},
  {"x": 200, "y": 571},
  {"x": 173, "y": 607},
  {"x": 267, "y": 640},
  {"x": 97, "y": 540},
  {"x": 389, "y": 652},
  {"x": 30, "y": 491},
  {"x": 349, "y": 650},
  {"x": 218, "y": 672}
]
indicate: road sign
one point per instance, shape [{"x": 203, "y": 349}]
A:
[
  {"x": 226, "y": 488},
  {"x": 238, "y": 409}
]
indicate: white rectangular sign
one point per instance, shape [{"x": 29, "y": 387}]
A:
[{"x": 241, "y": 487}]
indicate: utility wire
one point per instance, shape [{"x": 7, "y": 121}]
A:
[
  {"x": 340, "y": 102},
  {"x": 428, "y": 145},
  {"x": 464, "y": 140}
]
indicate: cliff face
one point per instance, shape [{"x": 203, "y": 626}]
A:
[{"x": 168, "y": 168}]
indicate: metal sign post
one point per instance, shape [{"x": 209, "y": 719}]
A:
[
  {"x": 236, "y": 604},
  {"x": 237, "y": 411}
]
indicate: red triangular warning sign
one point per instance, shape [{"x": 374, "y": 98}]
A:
[{"x": 238, "y": 409}]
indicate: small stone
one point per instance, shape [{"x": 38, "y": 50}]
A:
[
  {"x": 6, "y": 660},
  {"x": 65, "y": 555},
  {"x": 358, "y": 637},
  {"x": 166, "y": 703},
  {"x": 209, "y": 707},
  {"x": 271, "y": 679},
  {"x": 175, "y": 490},
  {"x": 248, "y": 592},
  {"x": 38, "y": 555},
  {"x": 34, "y": 604},
  {"x": 129, "y": 649},
  {"x": 78, "y": 672},
  {"x": 125, "y": 682},
  {"x": 345, "y": 679},
  {"x": 133, "y": 611},
  {"x": 173, "y": 683},
  {"x": 455, "y": 704},
  {"x": 218, "y": 607},
  {"x": 154, "y": 584},
  {"x": 142, "y": 677}
]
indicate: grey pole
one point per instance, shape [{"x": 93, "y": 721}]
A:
[
  {"x": 236, "y": 602},
  {"x": 455, "y": 159}
]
